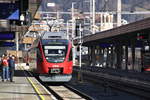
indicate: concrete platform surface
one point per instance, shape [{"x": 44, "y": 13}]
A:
[
  {"x": 21, "y": 89},
  {"x": 24, "y": 87}
]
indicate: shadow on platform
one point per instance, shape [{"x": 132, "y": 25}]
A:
[{"x": 19, "y": 73}]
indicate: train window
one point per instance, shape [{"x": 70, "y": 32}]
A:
[
  {"x": 55, "y": 50},
  {"x": 55, "y": 54},
  {"x": 55, "y": 42}
]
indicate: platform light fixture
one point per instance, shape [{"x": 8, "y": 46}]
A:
[
  {"x": 22, "y": 19},
  {"x": 50, "y": 4}
]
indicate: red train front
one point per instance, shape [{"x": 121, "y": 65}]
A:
[{"x": 53, "y": 56}]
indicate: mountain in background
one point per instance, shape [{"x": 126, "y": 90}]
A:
[{"x": 101, "y": 5}]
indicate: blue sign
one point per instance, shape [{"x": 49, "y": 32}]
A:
[
  {"x": 14, "y": 16},
  {"x": 9, "y": 11},
  {"x": 104, "y": 45},
  {"x": 7, "y": 36},
  {"x": 7, "y": 44}
]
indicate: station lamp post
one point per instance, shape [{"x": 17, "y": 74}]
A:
[
  {"x": 22, "y": 19},
  {"x": 17, "y": 45},
  {"x": 80, "y": 53}
]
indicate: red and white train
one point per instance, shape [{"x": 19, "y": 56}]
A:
[{"x": 50, "y": 57}]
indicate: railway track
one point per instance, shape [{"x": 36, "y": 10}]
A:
[
  {"x": 62, "y": 91},
  {"x": 132, "y": 86}
]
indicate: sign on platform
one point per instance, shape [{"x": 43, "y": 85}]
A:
[
  {"x": 50, "y": 4},
  {"x": 7, "y": 35},
  {"x": 28, "y": 40}
]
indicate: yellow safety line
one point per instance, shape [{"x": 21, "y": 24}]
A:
[{"x": 35, "y": 88}]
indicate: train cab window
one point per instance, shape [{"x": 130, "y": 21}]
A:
[{"x": 55, "y": 54}]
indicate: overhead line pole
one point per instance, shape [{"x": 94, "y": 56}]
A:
[
  {"x": 118, "y": 12},
  {"x": 91, "y": 21},
  {"x": 73, "y": 30},
  {"x": 73, "y": 19},
  {"x": 93, "y": 17}
]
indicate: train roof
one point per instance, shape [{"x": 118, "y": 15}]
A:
[{"x": 54, "y": 35}]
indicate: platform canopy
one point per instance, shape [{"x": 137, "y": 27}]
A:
[
  {"x": 10, "y": 19},
  {"x": 123, "y": 32}
]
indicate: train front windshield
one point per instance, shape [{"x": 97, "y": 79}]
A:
[{"x": 55, "y": 52}]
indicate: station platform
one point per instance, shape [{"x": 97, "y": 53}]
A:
[
  {"x": 130, "y": 81},
  {"x": 24, "y": 87}
]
